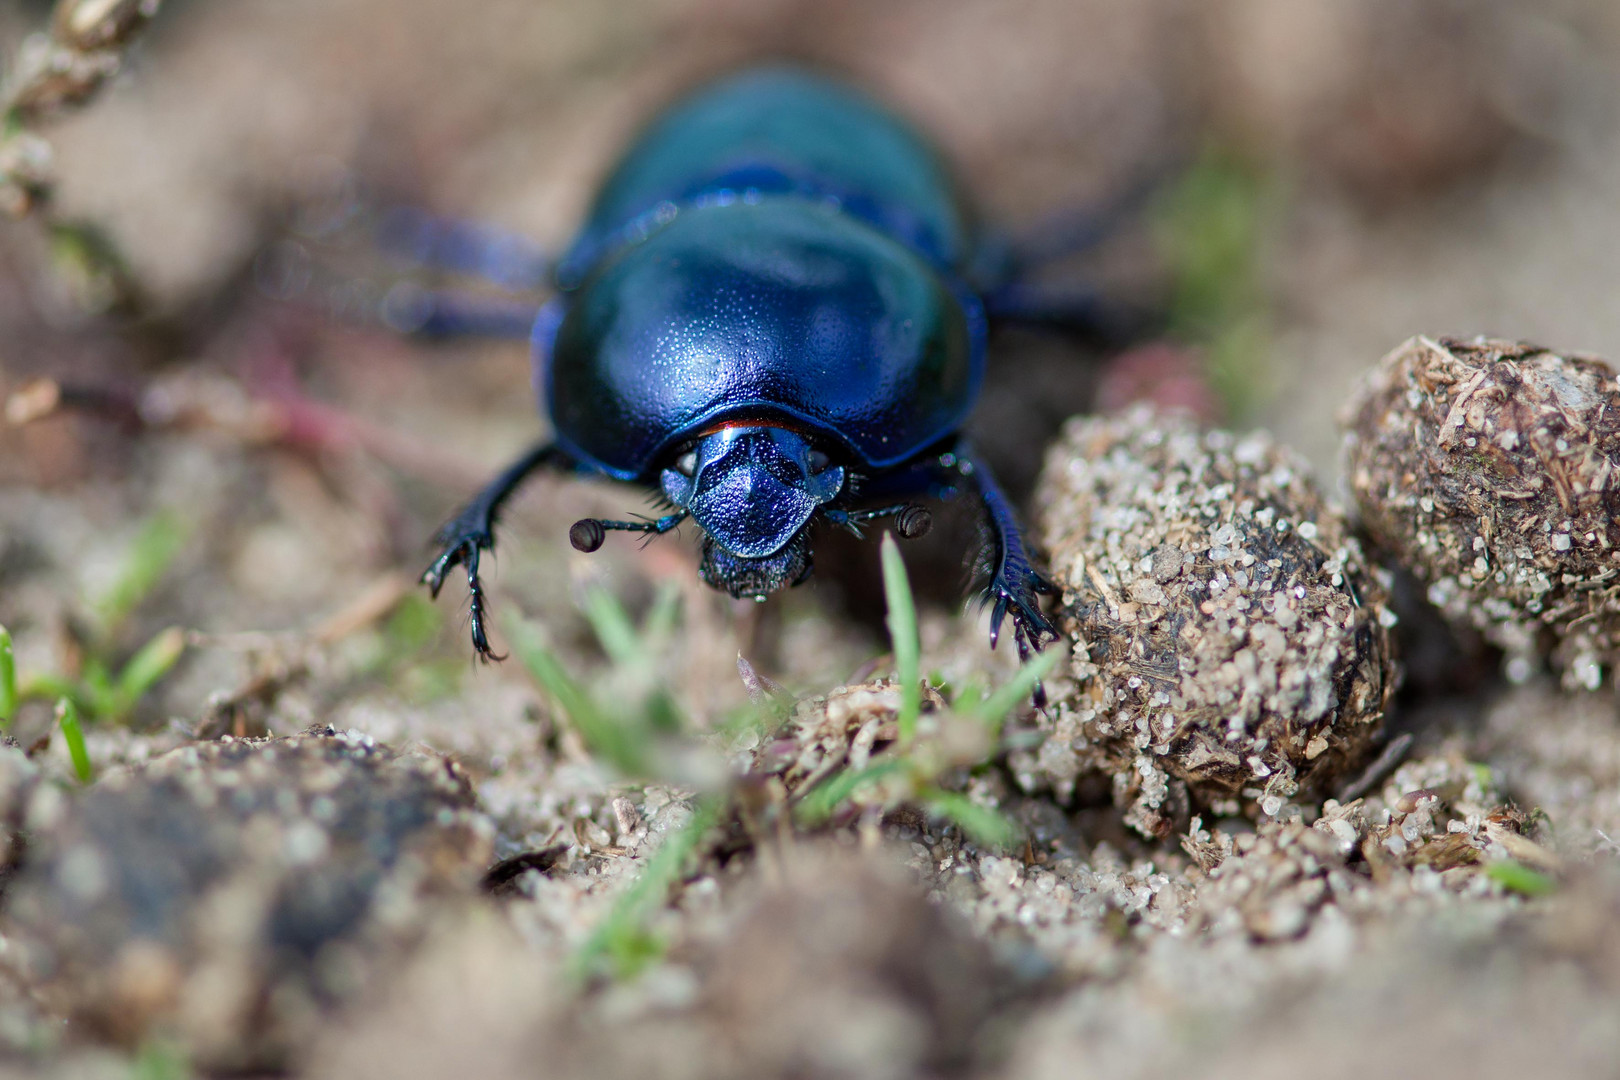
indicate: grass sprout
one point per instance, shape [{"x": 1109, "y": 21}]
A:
[
  {"x": 1517, "y": 877},
  {"x": 629, "y": 721},
  {"x": 903, "y": 635},
  {"x": 912, "y": 771},
  {"x": 621, "y": 946},
  {"x": 158, "y": 1059},
  {"x": 627, "y": 729},
  {"x": 633, "y": 722},
  {"x": 981, "y": 823},
  {"x": 613, "y": 741},
  {"x": 106, "y": 695},
  {"x": 150, "y": 555},
  {"x": 825, "y": 798},
  {"x": 992, "y": 709},
  {"x": 100, "y": 690},
  {"x": 67, "y": 717},
  {"x": 150, "y": 663},
  {"x": 8, "y": 680}
]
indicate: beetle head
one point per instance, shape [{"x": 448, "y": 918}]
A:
[{"x": 753, "y": 489}]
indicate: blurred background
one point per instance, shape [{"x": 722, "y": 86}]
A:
[{"x": 237, "y": 449}]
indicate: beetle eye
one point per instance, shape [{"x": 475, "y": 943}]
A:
[
  {"x": 818, "y": 462},
  {"x": 686, "y": 464}
]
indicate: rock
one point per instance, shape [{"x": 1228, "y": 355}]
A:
[
  {"x": 1488, "y": 468},
  {"x": 231, "y": 894},
  {"x": 1231, "y": 641}
]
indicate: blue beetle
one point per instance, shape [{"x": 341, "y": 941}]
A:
[{"x": 775, "y": 314}]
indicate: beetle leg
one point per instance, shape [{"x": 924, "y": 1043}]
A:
[
  {"x": 1015, "y": 584},
  {"x": 1072, "y": 307},
  {"x": 472, "y": 531},
  {"x": 1071, "y": 231},
  {"x": 408, "y": 308},
  {"x": 461, "y": 247}
]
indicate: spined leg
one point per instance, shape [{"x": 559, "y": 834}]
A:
[
  {"x": 499, "y": 257},
  {"x": 1069, "y": 232},
  {"x": 1004, "y": 269},
  {"x": 472, "y": 532},
  {"x": 1015, "y": 584},
  {"x": 409, "y": 308},
  {"x": 1071, "y": 307}
]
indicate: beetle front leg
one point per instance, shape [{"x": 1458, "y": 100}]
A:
[
  {"x": 472, "y": 531},
  {"x": 1075, "y": 308},
  {"x": 1015, "y": 585},
  {"x": 408, "y": 308},
  {"x": 462, "y": 247}
]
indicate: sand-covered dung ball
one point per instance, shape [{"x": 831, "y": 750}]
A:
[
  {"x": 1490, "y": 469},
  {"x": 1231, "y": 642}
]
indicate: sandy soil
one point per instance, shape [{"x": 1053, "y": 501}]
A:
[{"x": 1434, "y": 168}]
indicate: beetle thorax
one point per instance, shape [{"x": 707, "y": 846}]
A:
[{"x": 753, "y": 489}]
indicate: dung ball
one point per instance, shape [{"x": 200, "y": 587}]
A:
[
  {"x": 1489, "y": 469},
  {"x": 1231, "y": 642}
]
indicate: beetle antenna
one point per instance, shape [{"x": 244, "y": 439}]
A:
[
  {"x": 587, "y": 534},
  {"x": 910, "y": 520}
]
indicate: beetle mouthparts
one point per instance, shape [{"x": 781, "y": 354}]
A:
[{"x": 758, "y": 578}]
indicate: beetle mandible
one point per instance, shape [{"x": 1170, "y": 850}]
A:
[{"x": 775, "y": 314}]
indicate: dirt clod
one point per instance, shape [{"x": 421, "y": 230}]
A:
[{"x": 232, "y": 893}]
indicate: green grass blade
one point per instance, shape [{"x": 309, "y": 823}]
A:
[
  {"x": 660, "y": 715},
  {"x": 651, "y": 708},
  {"x": 662, "y": 618},
  {"x": 150, "y": 555},
  {"x": 160, "y": 1060},
  {"x": 614, "y": 629},
  {"x": 67, "y": 715},
  {"x": 149, "y": 664},
  {"x": 984, "y": 825},
  {"x": 992, "y": 711},
  {"x": 8, "y": 679},
  {"x": 1519, "y": 878},
  {"x": 755, "y": 719},
  {"x": 46, "y": 687},
  {"x": 903, "y": 636},
  {"x": 96, "y": 692},
  {"x": 825, "y": 798},
  {"x": 611, "y": 740},
  {"x": 622, "y": 939},
  {"x": 412, "y": 626}
]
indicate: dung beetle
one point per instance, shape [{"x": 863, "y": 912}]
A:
[{"x": 775, "y": 313}]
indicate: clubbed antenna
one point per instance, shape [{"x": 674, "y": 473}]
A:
[
  {"x": 910, "y": 520},
  {"x": 587, "y": 534}
]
